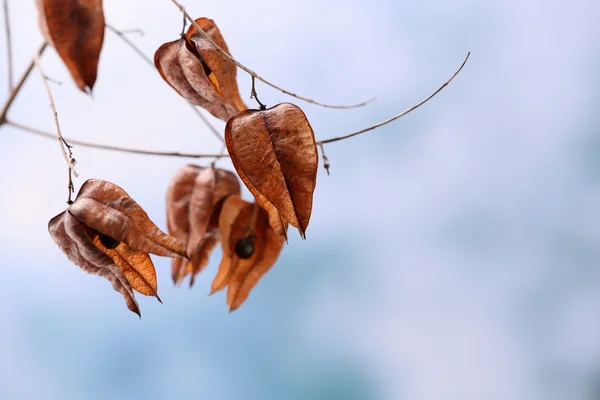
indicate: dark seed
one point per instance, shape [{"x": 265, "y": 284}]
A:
[
  {"x": 244, "y": 248},
  {"x": 108, "y": 242}
]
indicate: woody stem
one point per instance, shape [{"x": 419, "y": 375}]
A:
[
  {"x": 64, "y": 146},
  {"x": 254, "y": 95},
  {"x": 120, "y": 149},
  {"x": 17, "y": 88},
  {"x": 9, "y": 54}
]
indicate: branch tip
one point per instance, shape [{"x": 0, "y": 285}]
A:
[{"x": 403, "y": 113}]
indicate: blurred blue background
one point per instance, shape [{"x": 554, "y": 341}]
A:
[{"x": 453, "y": 254}]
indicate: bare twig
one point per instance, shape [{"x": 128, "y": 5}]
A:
[
  {"x": 184, "y": 25},
  {"x": 61, "y": 140},
  {"x": 221, "y": 154},
  {"x": 81, "y": 143},
  {"x": 17, "y": 88},
  {"x": 65, "y": 146},
  {"x": 326, "y": 164},
  {"x": 254, "y": 95},
  {"x": 207, "y": 123},
  {"x": 151, "y": 64},
  {"x": 395, "y": 117},
  {"x": 9, "y": 54},
  {"x": 54, "y": 81},
  {"x": 137, "y": 31},
  {"x": 253, "y": 73},
  {"x": 122, "y": 35}
]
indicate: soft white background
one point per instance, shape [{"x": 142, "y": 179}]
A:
[{"x": 453, "y": 254}]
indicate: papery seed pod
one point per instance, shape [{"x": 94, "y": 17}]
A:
[
  {"x": 76, "y": 30},
  {"x": 250, "y": 248},
  {"x": 194, "y": 200},
  {"x": 275, "y": 154},
  {"x": 105, "y": 232}
]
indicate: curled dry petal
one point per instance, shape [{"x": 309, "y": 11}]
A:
[
  {"x": 224, "y": 70},
  {"x": 135, "y": 265},
  {"x": 239, "y": 221},
  {"x": 107, "y": 233},
  {"x": 76, "y": 30},
  {"x": 194, "y": 199},
  {"x": 200, "y": 208},
  {"x": 75, "y": 240},
  {"x": 275, "y": 154},
  {"x": 108, "y": 209},
  {"x": 178, "y": 200},
  {"x": 232, "y": 206},
  {"x": 200, "y": 258},
  {"x": 245, "y": 277}
]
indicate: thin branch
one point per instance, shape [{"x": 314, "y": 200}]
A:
[
  {"x": 122, "y": 35},
  {"x": 207, "y": 123},
  {"x": 71, "y": 162},
  {"x": 221, "y": 155},
  {"x": 253, "y": 73},
  {"x": 49, "y": 135},
  {"x": 61, "y": 140},
  {"x": 148, "y": 61},
  {"x": 403, "y": 113},
  {"x": 254, "y": 95},
  {"x": 184, "y": 25},
  {"x": 326, "y": 164},
  {"x": 17, "y": 88},
  {"x": 9, "y": 54},
  {"x": 54, "y": 81},
  {"x": 137, "y": 31}
]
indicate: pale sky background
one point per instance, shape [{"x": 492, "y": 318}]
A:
[{"x": 453, "y": 254}]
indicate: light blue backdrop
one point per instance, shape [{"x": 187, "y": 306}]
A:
[{"x": 454, "y": 254}]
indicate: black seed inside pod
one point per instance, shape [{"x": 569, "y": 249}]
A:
[
  {"x": 244, "y": 248},
  {"x": 108, "y": 242}
]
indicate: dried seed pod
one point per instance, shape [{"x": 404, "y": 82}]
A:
[
  {"x": 275, "y": 154},
  {"x": 250, "y": 248},
  {"x": 198, "y": 72},
  {"x": 223, "y": 69},
  {"x": 105, "y": 232},
  {"x": 76, "y": 30},
  {"x": 194, "y": 199}
]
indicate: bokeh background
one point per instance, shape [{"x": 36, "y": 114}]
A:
[{"x": 453, "y": 254}]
